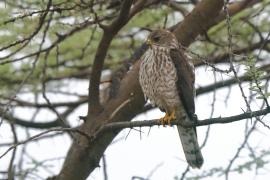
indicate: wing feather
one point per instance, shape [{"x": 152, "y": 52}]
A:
[{"x": 185, "y": 82}]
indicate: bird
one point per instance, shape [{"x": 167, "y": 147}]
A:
[{"x": 166, "y": 77}]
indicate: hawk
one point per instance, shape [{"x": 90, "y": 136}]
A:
[{"x": 167, "y": 80}]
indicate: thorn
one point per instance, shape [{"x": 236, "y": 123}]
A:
[{"x": 83, "y": 118}]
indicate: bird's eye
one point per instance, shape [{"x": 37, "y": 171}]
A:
[{"x": 156, "y": 38}]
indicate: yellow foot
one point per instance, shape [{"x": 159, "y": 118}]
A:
[{"x": 168, "y": 118}]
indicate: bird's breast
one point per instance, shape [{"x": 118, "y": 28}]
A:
[{"x": 158, "y": 77}]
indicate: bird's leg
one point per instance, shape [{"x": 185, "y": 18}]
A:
[
  {"x": 171, "y": 117},
  {"x": 164, "y": 120},
  {"x": 168, "y": 118}
]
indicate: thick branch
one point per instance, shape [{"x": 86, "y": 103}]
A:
[
  {"x": 198, "y": 21},
  {"x": 22, "y": 103},
  {"x": 110, "y": 31},
  {"x": 234, "y": 8},
  {"x": 203, "y": 26},
  {"x": 38, "y": 125}
]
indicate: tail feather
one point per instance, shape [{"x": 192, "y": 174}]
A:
[{"x": 190, "y": 146}]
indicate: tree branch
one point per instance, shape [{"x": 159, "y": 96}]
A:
[
  {"x": 224, "y": 57},
  {"x": 197, "y": 22},
  {"x": 234, "y": 8},
  {"x": 94, "y": 106},
  {"x": 116, "y": 126},
  {"x": 225, "y": 83},
  {"x": 156, "y": 122},
  {"x": 38, "y": 125}
]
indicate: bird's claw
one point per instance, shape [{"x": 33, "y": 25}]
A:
[{"x": 166, "y": 120}]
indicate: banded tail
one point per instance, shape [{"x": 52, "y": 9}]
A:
[{"x": 190, "y": 145}]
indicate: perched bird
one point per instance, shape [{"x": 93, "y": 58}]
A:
[{"x": 167, "y": 80}]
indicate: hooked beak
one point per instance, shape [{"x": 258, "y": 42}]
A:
[{"x": 149, "y": 43}]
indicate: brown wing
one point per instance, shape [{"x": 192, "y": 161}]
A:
[{"x": 185, "y": 82}]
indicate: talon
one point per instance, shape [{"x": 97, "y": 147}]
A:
[
  {"x": 168, "y": 118},
  {"x": 172, "y": 117},
  {"x": 164, "y": 120}
]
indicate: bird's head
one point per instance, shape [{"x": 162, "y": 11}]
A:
[{"x": 162, "y": 38}]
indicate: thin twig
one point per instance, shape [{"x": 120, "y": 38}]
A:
[{"x": 43, "y": 133}]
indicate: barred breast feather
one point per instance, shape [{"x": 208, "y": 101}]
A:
[{"x": 158, "y": 77}]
